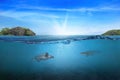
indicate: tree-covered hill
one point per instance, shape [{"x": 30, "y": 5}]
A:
[
  {"x": 112, "y": 32},
  {"x": 17, "y": 31}
]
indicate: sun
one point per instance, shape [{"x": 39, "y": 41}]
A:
[
  {"x": 62, "y": 28},
  {"x": 63, "y": 31}
]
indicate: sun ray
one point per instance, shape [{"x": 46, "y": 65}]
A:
[
  {"x": 61, "y": 29},
  {"x": 65, "y": 21}
]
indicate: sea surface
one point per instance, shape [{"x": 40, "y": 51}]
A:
[{"x": 75, "y": 58}]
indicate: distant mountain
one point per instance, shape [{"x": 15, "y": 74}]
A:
[
  {"x": 17, "y": 31},
  {"x": 112, "y": 32}
]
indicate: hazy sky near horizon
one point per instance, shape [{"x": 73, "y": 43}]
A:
[{"x": 64, "y": 17}]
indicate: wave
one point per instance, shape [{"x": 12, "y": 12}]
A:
[{"x": 54, "y": 39}]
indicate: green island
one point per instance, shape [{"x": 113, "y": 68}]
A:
[
  {"x": 21, "y": 31},
  {"x": 17, "y": 31},
  {"x": 112, "y": 32}
]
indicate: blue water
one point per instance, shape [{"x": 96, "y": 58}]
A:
[{"x": 17, "y": 63}]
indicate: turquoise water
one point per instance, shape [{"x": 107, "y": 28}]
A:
[{"x": 17, "y": 63}]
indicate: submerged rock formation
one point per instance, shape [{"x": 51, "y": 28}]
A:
[
  {"x": 17, "y": 31},
  {"x": 45, "y": 56},
  {"x": 89, "y": 53},
  {"x": 98, "y": 37}
]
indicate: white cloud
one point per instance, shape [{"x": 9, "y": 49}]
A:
[
  {"x": 21, "y": 14},
  {"x": 79, "y": 9},
  {"x": 35, "y": 18}
]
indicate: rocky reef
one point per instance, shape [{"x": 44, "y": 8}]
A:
[
  {"x": 50, "y": 40},
  {"x": 44, "y": 56},
  {"x": 17, "y": 31},
  {"x": 99, "y": 37}
]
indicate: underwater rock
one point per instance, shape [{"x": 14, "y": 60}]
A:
[
  {"x": 66, "y": 42},
  {"x": 89, "y": 53},
  {"x": 45, "y": 56},
  {"x": 98, "y": 37},
  {"x": 50, "y": 40}
]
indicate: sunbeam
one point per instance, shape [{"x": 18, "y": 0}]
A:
[{"x": 62, "y": 28}]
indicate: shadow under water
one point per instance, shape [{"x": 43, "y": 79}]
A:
[
  {"x": 89, "y": 53},
  {"x": 63, "y": 76}
]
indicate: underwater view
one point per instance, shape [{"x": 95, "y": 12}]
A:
[{"x": 59, "y": 58}]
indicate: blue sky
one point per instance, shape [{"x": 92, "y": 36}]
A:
[{"x": 61, "y": 17}]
